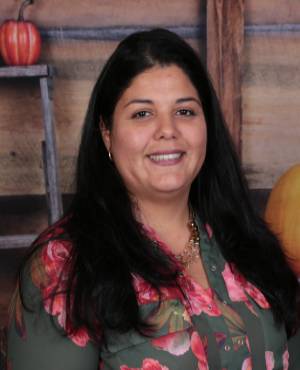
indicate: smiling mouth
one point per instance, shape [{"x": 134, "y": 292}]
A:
[{"x": 166, "y": 158}]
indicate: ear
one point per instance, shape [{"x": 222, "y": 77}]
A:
[{"x": 105, "y": 133}]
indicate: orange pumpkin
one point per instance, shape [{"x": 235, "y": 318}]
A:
[
  {"x": 283, "y": 214},
  {"x": 20, "y": 41}
]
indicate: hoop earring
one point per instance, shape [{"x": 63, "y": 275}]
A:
[{"x": 109, "y": 155}]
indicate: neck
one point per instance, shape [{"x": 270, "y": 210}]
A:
[{"x": 166, "y": 218}]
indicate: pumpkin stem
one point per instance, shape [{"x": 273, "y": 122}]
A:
[{"x": 24, "y": 4}]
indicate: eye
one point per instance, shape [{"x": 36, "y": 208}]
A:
[
  {"x": 185, "y": 112},
  {"x": 141, "y": 114}
]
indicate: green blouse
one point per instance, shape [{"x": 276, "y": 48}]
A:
[{"x": 226, "y": 327}]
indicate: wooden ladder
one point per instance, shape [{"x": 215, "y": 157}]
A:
[{"x": 54, "y": 199}]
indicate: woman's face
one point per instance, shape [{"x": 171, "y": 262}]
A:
[{"x": 158, "y": 135}]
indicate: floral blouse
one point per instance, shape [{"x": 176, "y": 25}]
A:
[{"x": 228, "y": 326}]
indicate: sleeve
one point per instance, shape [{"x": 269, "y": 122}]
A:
[
  {"x": 294, "y": 351},
  {"x": 36, "y": 337}
]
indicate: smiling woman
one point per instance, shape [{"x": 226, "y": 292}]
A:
[
  {"x": 160, "y": 262},
  {"x": 162, "y": 115}
]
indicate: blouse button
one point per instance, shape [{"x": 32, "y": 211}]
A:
[
  {"x": 213, "y": 268},
  {"x": 209, "y": 307},
  {"x": 225, "y": 302},
  {"x": 227, "y": 347}
]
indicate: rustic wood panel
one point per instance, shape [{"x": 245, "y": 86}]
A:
[
  {"x": 274, "y": 11},
  {"x": 77, "y": 64},
  {"x": 94, "y": 13},
  {"x": 271, "y": 110},
  {"x": 225, "y": 39}
]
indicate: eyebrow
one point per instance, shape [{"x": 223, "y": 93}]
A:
[{"x": 178, "y": 101}]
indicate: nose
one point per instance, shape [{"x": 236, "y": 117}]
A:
[{"x": 166, "y": 127}]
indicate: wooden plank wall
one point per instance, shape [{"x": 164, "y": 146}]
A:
[
  {"x": 225, "y": 43},
  {"x": 271, "y": 90}
]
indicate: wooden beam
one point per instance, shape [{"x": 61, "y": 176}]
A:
[
  {"x": 225, "y": 39},
  {"x": 16, "y": 241},
  {"x": 38, "y": 70}
]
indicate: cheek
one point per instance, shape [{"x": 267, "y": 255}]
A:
[
  {"x": 199, "y": 139},
  {"x": 125, "y": 146},
  {"x": 129, "y": 141},
  {"x": 127, "y": 153}
]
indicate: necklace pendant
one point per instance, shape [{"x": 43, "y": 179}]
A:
[{"x": 191, "y": 252}]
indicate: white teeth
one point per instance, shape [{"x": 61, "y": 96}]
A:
[{"x": 165, "y": 157}]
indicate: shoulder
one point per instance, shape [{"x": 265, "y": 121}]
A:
[
  {"x": 47, "y": 279},
  {"x": 51, "y": 255}
]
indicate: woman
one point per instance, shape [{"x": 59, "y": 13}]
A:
[{"x": 161, "y": 262}]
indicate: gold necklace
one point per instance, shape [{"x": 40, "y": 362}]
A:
[{"x": 191, "y": 252}]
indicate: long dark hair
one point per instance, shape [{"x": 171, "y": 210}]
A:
[{"x": 109, "y": 245}]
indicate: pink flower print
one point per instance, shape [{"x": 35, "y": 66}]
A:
[
  {"x": 54, "y": 258},
  {"x": 144, "y": 291},
  {"x": 55, "y": 255},
  {"x": 220, "y": 338},
  {"x": 285, "y": 360},
  {"x": 148, "y": 364},
  {"x": 175, "y": 343},
  {"x": 237, "y": 286},
  {"x": 199, "y": 299},
  {"x": 247, "y": 364},
  {"x": 54, "y": 231},
  {"x": 248, "y": 344},
  {"x": 270, "y": 363},
  {"x": 208, "y": 231},
  {"x": 80, "y": 337},
  {"x": 253, "y": 292},
  {"x": 269, "y": 356},
  {"x": 199, "y": 352},
  {"x": 57, "y": 308},
  {"x": 147, "y": 294},
  {"x": 256, "y": 294},
  {"x": 235, "y": 290}
]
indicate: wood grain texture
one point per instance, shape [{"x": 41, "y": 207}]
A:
[
  {"x": 49, "y": 153},
  {"x": 16, "y": 241},
  {"x": 272, "y": 12},
  {"x": 94, "y": 13},
  {"x": 225, "y": 38},
  {"x": 271, "y": 110},
  {"x": 29, "y": 71}
]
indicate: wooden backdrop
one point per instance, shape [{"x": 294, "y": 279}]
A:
[{"x": 78, "y": 36}]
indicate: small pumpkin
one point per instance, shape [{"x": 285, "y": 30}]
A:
[
  {"x": 283, "y": 214},
  {"x": 20, "y": 40}
]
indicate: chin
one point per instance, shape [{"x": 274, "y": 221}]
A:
[{"x": 172, "y": 188}]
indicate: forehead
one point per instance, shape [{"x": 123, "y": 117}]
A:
[{"x": 159, "y": 80}]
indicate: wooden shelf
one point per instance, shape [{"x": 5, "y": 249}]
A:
[
  {"x": 16, "y": 241},
  {"x": 41, "y": 70},
  {"x": 44, "y": 73}
]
